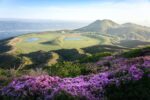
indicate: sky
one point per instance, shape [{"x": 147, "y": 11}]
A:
[{"x": 121, "y": 11}]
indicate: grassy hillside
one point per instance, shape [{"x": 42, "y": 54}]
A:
[
  {"x": 132, "y": 43},
  {"x": 53, "y": 41},
  {"x": 125, "y": 31},
  {"x": 123, "y": 76}
]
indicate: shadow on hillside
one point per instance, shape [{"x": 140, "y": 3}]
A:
[
  {"x": 4, "y": 47},
  {"x": 38, "y": 58},
  {"x": 132, "y": 43},
  {"x": 69, "y": 54},
  {"x": 8, "y": 61},
  {"x": 52, "y": 42},
  {"x": 103, "y": 48}
]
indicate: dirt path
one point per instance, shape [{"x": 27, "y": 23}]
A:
[
  {"x": 81, "y": 51},
  {"x": 54, "y": 59}
]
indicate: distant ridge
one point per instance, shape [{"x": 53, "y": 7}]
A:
[
  {"x": 98, "y": 26},
  {"x": 129, "y": 31}
]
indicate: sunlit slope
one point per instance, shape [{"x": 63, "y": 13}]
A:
[
  {"x": 125, "y": 31},
  {"x": 100, "y": 26},
  {"x": 52, "y": 41}
]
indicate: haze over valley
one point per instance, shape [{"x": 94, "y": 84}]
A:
[{"x": 14, "y": 27}]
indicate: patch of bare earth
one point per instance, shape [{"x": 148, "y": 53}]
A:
[
  {"x": 12, "y": 43},
  {"x": 54, "y": 59}
]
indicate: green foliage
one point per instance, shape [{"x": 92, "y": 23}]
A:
[
  {"x": 132, "y": 53},
  {"x": 139, "y": 90},
  {"x": 5, "y": 77},
  {"x": 136, "y": 52},
  {"x": 2, "y": 72},
  {"x": 95, "y": 57},
  {"x": 147, "y": 48},
  {"x": 103, "y": 48},
  {"x": 65, "y": 96},
  {"x": 8, "y": 61},
  {"x": 69, "y": 54},
  {"x": 67, "y": 69}
]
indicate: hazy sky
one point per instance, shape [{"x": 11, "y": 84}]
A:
[{"x": 137, "y": 11}]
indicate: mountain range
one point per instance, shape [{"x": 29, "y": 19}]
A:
[{"x": 129, "y": 31}]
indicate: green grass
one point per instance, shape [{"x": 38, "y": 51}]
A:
[
  {"x": 54, "y": 41},
  {"x": 27, "y": 47}
]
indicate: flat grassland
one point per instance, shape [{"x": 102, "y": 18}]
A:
[{"x": 49, "y": 41}]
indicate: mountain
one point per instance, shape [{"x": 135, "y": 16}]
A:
[
  {"x": 129, "y": 31},
  {"x": 98, "y": 26}
]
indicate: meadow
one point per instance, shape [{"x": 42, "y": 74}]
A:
[{"x": 49, "y": 41}]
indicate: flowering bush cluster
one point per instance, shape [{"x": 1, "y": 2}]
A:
[{"x": 89, "y": 87}]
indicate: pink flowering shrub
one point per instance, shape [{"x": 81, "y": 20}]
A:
[
  {"x": 89, "y": 87},
  {"x": 135, "y": 72}
]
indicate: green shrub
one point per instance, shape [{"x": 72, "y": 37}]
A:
[
  {"x": 2, "y": 72},
  {"x": 139, "y": 90},
  {"x": 95, "y": 57},
  {"x": 66, "y": 69},
  {"x": 132, "y": 53},
  {"x": 65, "y": 96}
]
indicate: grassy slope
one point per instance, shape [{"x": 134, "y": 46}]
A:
[
  {"x": 27, "y": 47},
  {"x": 50, "y": 41}
]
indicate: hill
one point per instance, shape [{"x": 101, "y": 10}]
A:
[
  {"x": 129, "y": 31},
  {"x": 122, "y": 76},
  {"x": 100, "y": 26}
]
